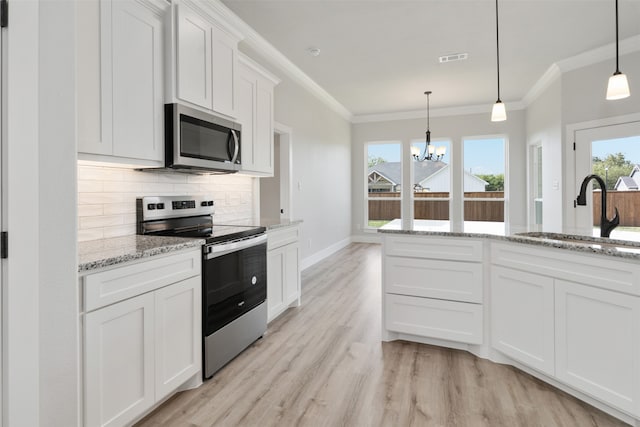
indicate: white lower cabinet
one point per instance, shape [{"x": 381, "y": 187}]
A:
[
  {"x": 139, "y": 350},
  {"x": 119, "y": 362},
  {"x": 598, "y": 343},
  {"x": 433, "y": 288},
  {"x": 522, "y": 316},
  {"x": 178, "y": 326},
  {"x": 283, "y": 270},
  {"x": 433, "y": 318}
]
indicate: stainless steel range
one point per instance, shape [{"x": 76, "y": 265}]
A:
[{"x": 234, "y": 272}]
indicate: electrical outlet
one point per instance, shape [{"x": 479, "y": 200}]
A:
[
  {"x": 309, "y": 243},
  {"x": 299, "y": 185}
]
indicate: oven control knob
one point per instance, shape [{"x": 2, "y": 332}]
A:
[
  {"x": 254, "y": 280},
  {"x": 151, "y": 206},
  {"x": 203, "y": 203},
  {"x": 160, "y": 206}
]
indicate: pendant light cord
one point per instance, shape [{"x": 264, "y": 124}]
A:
[
  {"x": 498, "y": 48},
  {"x": 617, "y": 55}
]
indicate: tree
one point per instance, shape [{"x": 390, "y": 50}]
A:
[
  {"x": 375, "y": 160},
  {"x": 494, "y": 182},
  {"x": 611, "y": 168}
]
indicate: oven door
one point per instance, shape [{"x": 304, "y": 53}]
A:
[{"x": 234, "y": 281}]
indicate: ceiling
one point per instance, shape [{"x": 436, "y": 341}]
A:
[{"x": 379, "y": 56}]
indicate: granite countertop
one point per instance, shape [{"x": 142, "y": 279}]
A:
[
  {"x": 96, "y": 254},
  {"x": 586, "y": 244},
  {"x": 273, "y": 223}
]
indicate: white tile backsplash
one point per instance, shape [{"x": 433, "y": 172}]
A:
[{"x": 107, "y": 197}]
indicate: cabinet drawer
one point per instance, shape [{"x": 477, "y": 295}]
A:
[
  {"x": 454, "y": 321},
  {"x": 594, "y": 270},
  {"x": 450, "y": 280},
  {"x": 282, "y": 236},
  {"x": 117, "y": 284},
  {"x": 434, "y": 247}
]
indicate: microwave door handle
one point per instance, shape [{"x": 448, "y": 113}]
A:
[{"x": 236, "y": 148}]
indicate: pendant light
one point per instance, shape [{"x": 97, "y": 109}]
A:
[
  {"x": 430, "y": 151},
  {"x": 618, "y": 87},
  {"x": 498, "y": 113}
]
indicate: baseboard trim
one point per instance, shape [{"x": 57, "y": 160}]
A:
[{"x": 324, "y": 253}]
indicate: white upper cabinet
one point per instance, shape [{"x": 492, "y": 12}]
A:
[
  {"x": 255, "y": 113},
  {"x": 194, "y": 58},
  {"x": 206, "y": 60},
  {"x": 120, "y": 81}
]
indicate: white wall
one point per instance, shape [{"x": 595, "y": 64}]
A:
[
  {"x": 107, "y": 197},
  {"x": 58, "y": 261},
  {"x": 544, "y": 125},
  {"x": 454, "y": 128},
  {"x": 321, "y": 173}
]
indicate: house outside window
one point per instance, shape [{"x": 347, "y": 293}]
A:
[
  {"x": 431, "y": 183},
  {"x": 484, "y": 184},
  {"x": 384, "y": 183}
]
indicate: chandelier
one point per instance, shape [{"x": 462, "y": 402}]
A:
[{"x": 431, "y": 152}]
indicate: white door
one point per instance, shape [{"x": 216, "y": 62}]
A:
[
  {"x": 522, "y": 313},
  {"x": 194, "y": 58},
  {"x": 178, "y": 334},
  {"x": 119, "y": 362},
  {"x": 610, "y": 152},
  {"x": 598, "y": 343}
]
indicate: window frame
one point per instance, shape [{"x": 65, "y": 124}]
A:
[{"x": 367, "y": 144}]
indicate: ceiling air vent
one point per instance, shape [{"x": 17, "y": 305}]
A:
[{"x": 453, "y": 57}]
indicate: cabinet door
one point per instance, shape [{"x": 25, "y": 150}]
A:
[
  {"x": 137, "y": 78},
  {"x": 275, "y": 282},
  {"x": 522, "y": 314},
  {"x": 598, "y": 343},
  {"x": 246, "y": 86},
  {"x": 119, "y": 362},
  {"x": 291, "y": 273},
  {"x": 225, "y": 58},
  {"x": 93, "y": 137},
  {"x": 195, "y": 36},
  {"x": 178, "y": 334},
  {"x": 263, "y": 133}
]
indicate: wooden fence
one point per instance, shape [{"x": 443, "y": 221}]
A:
[
  {"x": 480, "y": 210},
  {"x": 627, "y": 202}
]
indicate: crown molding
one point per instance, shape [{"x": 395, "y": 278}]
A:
[
  {"x": 552, "y": 74},
  {"x": 248, "y": 62},
  {"x": 276, "y": 58},
  {"x": 599, "y": 54},
  {"x": 436, "y": 112}
]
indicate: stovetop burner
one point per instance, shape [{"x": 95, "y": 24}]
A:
[{"x": 187, "y": 216}]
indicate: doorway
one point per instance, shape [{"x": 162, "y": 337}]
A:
[
  {"x": 275, "y": 192},
  {"x": 613, "y": 153}
]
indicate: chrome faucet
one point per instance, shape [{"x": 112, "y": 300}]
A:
[{"x": 606, "y": 226}]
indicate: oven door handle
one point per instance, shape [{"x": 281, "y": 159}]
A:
[{"x": 214, "y": 251}]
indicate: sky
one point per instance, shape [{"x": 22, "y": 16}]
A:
[
  {"x": 481, "y": 156},
  {"x": 630, "y": 147}
]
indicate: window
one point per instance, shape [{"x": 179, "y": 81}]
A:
[
  {"x": 613, "y": 153},
  {"x": 384, "y": 183},
  {"x": 431, "y": 183},
  {"x": 484, "y": 183}
]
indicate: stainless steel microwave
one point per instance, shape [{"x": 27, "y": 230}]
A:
[{"x": 196, "y": 141}]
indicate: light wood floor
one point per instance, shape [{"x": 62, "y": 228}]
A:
[{"x": 323, "y": 364}]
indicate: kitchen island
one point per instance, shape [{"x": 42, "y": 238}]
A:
[{"x": 563, "y": 308}]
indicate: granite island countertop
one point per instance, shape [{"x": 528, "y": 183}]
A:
[
  {"x": 100, "y": 253},
  {"x": 626, "y": 249}
]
